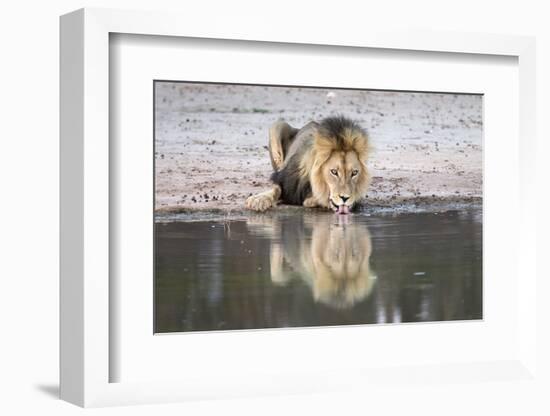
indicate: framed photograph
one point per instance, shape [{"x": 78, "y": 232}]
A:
[{"x": 280, "y": 213}]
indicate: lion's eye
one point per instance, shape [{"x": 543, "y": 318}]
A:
[
  {"x": 334, "y": 172},
  {"x": 354, "y": 173}
]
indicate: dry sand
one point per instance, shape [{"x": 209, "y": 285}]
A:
[{"x": 211, "y": 143}]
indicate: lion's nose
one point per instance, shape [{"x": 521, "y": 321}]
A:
[{"x": 344, "y": 198}]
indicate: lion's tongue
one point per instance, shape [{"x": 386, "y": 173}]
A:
[{"x": 343, "y": 209}]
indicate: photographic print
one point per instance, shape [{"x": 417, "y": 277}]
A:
[{"x": 292, "y": 206}]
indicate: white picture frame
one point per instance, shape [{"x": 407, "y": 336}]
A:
[{"x": 85, "y": 211}]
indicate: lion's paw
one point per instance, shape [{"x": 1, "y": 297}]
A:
[
  {"x": 310, "y": 202},
  {"x": 259, "y": 202}
]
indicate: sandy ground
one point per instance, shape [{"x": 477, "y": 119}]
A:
[{"x": 211, "y": 142}]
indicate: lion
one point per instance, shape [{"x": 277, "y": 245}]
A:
[
  {"x": 330, "y": 254},
  {"x": 323, "y": 164}
]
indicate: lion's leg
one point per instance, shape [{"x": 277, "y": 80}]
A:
[
  {"x": 264, "y": 200},
  {"x": 310, "y": 202},
  {"x": 281, "y": 135}
]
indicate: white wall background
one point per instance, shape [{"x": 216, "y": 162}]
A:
[{"x": 29, "y": 58}]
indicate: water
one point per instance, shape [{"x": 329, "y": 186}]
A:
[{"x": 310, "y": 269}]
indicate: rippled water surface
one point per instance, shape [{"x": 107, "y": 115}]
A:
[{"x": 310, "y": 269}]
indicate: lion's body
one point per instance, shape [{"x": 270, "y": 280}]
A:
[
  {"x": 295, "y": 186},
  {"x": 322, "y": 164}
]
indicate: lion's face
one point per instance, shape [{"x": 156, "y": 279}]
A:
[
  {"x": 339, "y": 176},
  {"x": 344, "y": 175}
]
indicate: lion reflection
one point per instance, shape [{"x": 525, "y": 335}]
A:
[{"x": 330, "y": 253}]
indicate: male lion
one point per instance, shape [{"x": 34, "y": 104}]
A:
[{"x": 320, "y": 165}]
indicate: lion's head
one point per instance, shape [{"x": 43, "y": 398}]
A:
[{"x": 339, "y": 177}]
